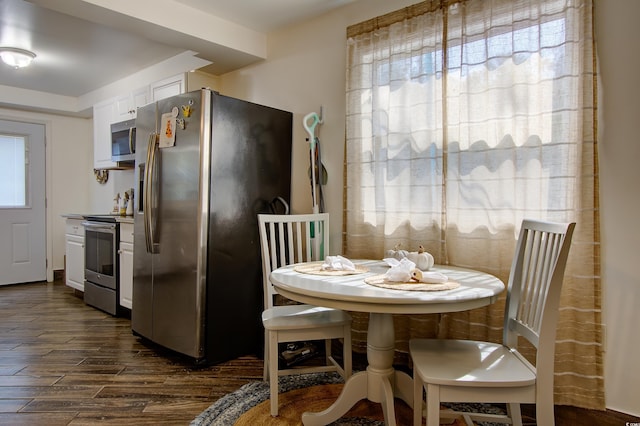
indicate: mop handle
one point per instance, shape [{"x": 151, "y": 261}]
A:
[
  {"x": 311, "y": 130},
  {"x": 310, "y": 122}
]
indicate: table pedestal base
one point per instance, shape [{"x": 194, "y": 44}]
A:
[{"x": 380, "y": 383}]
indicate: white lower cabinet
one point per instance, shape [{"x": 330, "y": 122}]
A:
[
  {"x": 126, "y": 265},
  {"x": 74, "y": 251}
]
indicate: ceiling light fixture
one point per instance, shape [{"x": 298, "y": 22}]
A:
[{"x": 15, "y": 57}]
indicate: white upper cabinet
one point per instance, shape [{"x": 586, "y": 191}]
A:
[
  {"x": 123, "y": 108},
  {"x": 182, "y": 83},
  {"x": 103, "y": 114},
  {"x": 126, "y": 106},
  {"x": 112, "y": 111},
  {"x": 168, "y": 87}
]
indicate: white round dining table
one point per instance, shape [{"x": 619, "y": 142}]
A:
[{"x": 380, "y": 382}]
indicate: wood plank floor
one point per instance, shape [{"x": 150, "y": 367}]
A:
[{"x": 65, "y": 363}]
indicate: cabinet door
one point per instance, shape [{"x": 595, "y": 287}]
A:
[
  {"x": 103, "y": 116},
  {"x": 126, "y": 106},
  {"x": 139, "y": 98},
  {"x": 168, "y": 87},
  {"x": 74, "y": 274},
  {"x": 126, "y": 232},
  {"x": 126, "y": 275},
  {"x": 122, "y": 108}
]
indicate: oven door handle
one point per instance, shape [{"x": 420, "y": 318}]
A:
[
  {"x": 150, "y": 194},
  {"x": 99, "y": 227}
]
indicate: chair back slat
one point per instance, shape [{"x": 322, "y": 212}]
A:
[
  {"x": 289, "y": 239},
  {"x": 536, "y": 278},
  {"x": 298, "y": 236}
]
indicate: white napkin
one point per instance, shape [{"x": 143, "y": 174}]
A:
[
  {"x": 404, "y": 271},
  {"x": 400, "y": 270},
  {"x": 337, "y": 263},
  {"x": 429, "y": 277}
]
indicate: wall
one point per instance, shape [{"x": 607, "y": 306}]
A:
[
  {"x": 306, "y": 68},
  {"x": 69, "y": 173},
  {"x": 617, "y": 32},
  {"x": 197, "y": 80},
  {"x": 101, "y": 196}
]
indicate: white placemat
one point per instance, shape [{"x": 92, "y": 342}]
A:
[
  {"x": 315, "y": 268},
  {"x": 380, "y": 281}
]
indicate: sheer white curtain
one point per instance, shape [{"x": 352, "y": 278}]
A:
[{"x": 463, "y": 118}]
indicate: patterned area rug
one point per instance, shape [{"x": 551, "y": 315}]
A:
[{"x": 249, "y": 405}]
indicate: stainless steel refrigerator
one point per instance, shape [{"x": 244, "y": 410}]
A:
[{"x": 206, "y": 165}]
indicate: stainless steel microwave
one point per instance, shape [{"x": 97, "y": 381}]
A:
[{"x": 123, "y": 141}]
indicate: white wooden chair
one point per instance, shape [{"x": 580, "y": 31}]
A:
[
  {"x": 482, "y": 372},
  {"x": 285, "y": 240}
]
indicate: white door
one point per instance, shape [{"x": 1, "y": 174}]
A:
[{"x": 22, "y": 203}]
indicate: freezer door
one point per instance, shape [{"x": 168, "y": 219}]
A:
[{"x": 251, "y": 166}]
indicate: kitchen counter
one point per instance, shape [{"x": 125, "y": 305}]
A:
[
  {"x": 81, "y": 216},
  {"x": 73, "y": 216},
  {"x": 124, "y": 219}
]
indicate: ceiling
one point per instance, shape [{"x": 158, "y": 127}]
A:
[{"x": 85, "y": 45}]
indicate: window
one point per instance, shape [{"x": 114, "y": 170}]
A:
[
  {"x": 484, "y": 141},
  {"x": 13, "y": 171},
  {"x": 464, "y": 117}
]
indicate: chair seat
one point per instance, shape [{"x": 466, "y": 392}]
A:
[
  {"x": 302, "y": 317},
  {"x": 468, "y": 363}
]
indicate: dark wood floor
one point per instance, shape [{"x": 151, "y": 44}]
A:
[{"x": 64, "y": 363}]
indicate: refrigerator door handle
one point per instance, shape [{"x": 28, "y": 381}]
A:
[{"x": 149, "y": 195}]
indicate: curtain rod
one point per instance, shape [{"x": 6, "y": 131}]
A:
[{"x": 398, "y": 16}]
